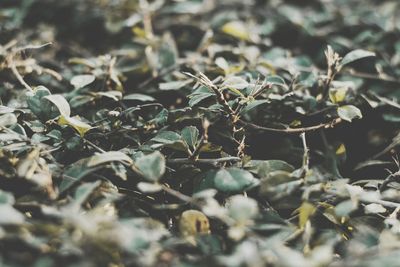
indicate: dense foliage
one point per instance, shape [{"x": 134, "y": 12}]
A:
[{"x": 199, "y": 132}]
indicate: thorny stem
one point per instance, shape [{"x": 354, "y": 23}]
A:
[
  {"x": 232, "y": 114},
  {"x": 334, "y": 67},
  {"x": 253, "y": 126},
  {"x": 203, "y": 161}
]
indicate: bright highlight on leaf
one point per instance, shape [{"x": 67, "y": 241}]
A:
[
  {"x": 61, "y": 103},
  {"x": 349, "y": 113},
  {"x": 80, "y": 81},
  {"x": 152, "y": 166},
  {"x": 356, "y": 55}
]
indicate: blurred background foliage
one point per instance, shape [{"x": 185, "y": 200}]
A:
[{"x": 194, "y": 132}]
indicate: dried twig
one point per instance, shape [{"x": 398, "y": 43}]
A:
[
  {"x": 253, "y": 126},
  {"x": 203, "y": 161}
]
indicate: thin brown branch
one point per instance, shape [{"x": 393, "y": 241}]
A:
[
  {"x": 330, "y": 124},
  {"x": 203, "y": 161}
]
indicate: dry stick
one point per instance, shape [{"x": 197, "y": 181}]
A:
[
  {"x": 177, "y": 194},
  {"x": 12, "y": 63},
  {"x": 203, "y": 161},
  {"x": 28, "y": 47},
  {"x": 330, "y": 124},
  {"x": 232, "y": 114},
  {"x": 99, "y": 149},
  {"x": 18, "y": 76},
  {"x": 357, "y": 74}
]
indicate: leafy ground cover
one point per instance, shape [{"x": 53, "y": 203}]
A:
[{"x": 199, "y": 133}]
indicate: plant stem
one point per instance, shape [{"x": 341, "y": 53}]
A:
[{"x": 253, "y": 126}]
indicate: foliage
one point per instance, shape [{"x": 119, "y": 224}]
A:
[{"x": 199, "y": 132}]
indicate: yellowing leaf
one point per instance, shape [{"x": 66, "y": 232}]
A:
[
  {"x": 193, "y": 223},
  {"x": 306, "y": 210},
  {"x": 338, "y": 95},
  {"x": 237, "y": 29},
  {"x": 139, "y": 32},
  {"x": 75, "y": 122},
  {"x": 341, "y": 150}
]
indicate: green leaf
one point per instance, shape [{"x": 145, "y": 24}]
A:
[
  {"x": 349, "y": 112},
  {"x": 10, "y": 216},
  {"x": 81, "y": 168},
  {"x": 264, "y": 167},
  {"x": 344, "y": 208},
  {"x": 356, "y": 55},
  {"x": 234, "y": 180},
  {"x": 80, "y": 81},
  {"x": 190, "y": 135},
  {"x": 279, "y": 184},
  {"x": 114, "y": 95},
  {"x": 84, "y": 191},
  {"x": 276, "y": 80},
  {"x": 210, "y": 147},
  {"x": 241, "y": 208},
  {"x": 8, "y": 120},
  {"x": 175, "y": 85},
  {"x": 253, "y": 104},
  {"x": 197, "y": 98},
  {"x": 235, "y": 82},
  {"x": 6, "y": 198},
  {"x": 61, "y": 103},
  {"x": 107, "y": 157},
  {"x": 149, "y": 187},
  {"x": 169, "y": 139},
  {"x": 374, "y": 208},
  {"x": 139, "y": 97},
  {"x": 152, "y": 166},
  {"x": 42, "y": 109},
  {"x": 222, "y": 63}
]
